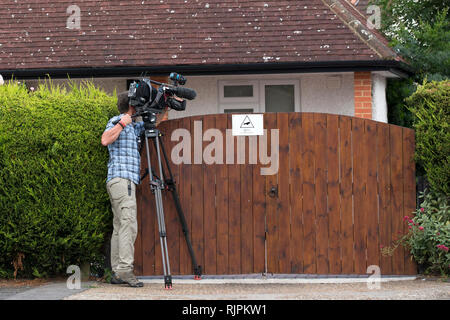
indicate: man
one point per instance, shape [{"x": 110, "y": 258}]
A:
[{"x": 123, "y": 176}]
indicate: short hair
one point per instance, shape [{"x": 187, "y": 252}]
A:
[{"x": 123, "y": 103}]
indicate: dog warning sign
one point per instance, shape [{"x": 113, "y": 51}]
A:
[{"x": 247, "y": 125}]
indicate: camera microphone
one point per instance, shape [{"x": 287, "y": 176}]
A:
[
  {"x": 184, "y": 93},
  {"x": 175, "y": 77}
]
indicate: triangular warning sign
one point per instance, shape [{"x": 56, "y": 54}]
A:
[{"x": 247, "y": 123}]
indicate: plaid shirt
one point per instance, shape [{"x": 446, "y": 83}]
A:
[{"x": 124, "y": 158}]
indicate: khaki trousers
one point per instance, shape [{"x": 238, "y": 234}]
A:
[{"x": 122, "y": 193}]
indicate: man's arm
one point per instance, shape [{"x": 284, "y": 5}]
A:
[{"x": 111, "y": 135}]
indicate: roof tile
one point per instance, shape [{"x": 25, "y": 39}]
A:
[{"x": 168, "y": 32}]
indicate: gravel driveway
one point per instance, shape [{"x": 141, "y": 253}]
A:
[{"x": 392, "y": 290}]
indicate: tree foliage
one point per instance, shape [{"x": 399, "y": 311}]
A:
[{"x": 420, "y": 32}]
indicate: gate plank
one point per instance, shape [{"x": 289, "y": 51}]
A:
[
  {"x": 222, "y": 203},
  {"x": 398, "y": 259},
  {"x": 333, "y": 207},
  {"x": 234, "y": 212},
  {"x": 284, "y": 210},
  {"x": 384, "y": 186},
  {"x": 309, "y": 214},
  {"x": 270, "y": 122},
  {"x": 371, "y": 198},
  {"x": 320, "y": 185},
  {"x": 246, "y": 213},
  {"x": 209, "y": 198},
  {"x": 185, "y": 199},
  {"x": 360, "y": 154},
  {"x": 259, "y": 215},
  {"x": 409, "y": 189},
  {"x": 197, "y": 194},
  {"x": 346, "y": 192},
  {"x": 296, "y": 191}
]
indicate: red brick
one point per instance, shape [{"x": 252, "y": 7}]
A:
[
  {"x": 363, "y": 99},
  {"x": 361, "y": 87}
]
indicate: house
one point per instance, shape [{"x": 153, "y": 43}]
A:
[{"x": 250, "y": 56}]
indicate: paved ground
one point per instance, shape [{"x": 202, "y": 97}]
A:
[
  {"x": 395, "y": 290},
  {"x": 256, "y": 289},
  {"x": 50, "y": 291}
]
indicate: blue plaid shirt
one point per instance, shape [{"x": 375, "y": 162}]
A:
[{"x": 124, "y": 158}]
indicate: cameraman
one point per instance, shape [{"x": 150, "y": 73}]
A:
[{"x": 123, "y": 176}]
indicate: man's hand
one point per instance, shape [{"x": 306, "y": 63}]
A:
[
  {"x": 112, "y": 134},
  {"x": 126, "y": 119}
]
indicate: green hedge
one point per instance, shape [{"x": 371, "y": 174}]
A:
[
  {"x": 430, "y": 105},
  {"x": 54, "y": 209}
]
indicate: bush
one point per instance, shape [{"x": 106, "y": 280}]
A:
[
  {"x": 429, "y": 237},
  {"x": 430, "y": 106},
  {"x": 53, "y": 200}
]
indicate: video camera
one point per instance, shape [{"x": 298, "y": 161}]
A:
[{"x": 148, "y": 101}]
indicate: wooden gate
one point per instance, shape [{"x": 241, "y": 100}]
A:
[{"x": 343, "y": 186}]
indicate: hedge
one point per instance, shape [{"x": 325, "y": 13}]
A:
[
  {"x": 430, "y": 105},
  {"x": 54, "y": 206}
]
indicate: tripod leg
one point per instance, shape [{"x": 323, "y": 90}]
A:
[
  {"x": 172, "y": 187},
  {"x": 156, "y": 186}
]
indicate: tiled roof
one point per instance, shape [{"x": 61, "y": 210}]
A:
[{"x": 33, "y": 34}]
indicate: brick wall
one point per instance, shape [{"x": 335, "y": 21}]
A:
[{"x": 363, "y": 94}]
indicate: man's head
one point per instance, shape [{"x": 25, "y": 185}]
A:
[{"x": 123, "y": 104}]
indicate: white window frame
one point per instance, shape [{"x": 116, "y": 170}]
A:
[
  {"x": 258, "y": 101},
  {"x": 239, "y": 102},
  {"x": 295, "y": 83}
]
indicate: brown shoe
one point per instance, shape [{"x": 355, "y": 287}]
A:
[{"x": 129, "y": 278}]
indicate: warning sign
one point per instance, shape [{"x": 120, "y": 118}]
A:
[{"x": 247, "y": 125}]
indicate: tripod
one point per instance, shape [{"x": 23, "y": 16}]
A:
[{"x": 157, "y": 185}]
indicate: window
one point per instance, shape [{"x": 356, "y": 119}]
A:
[
  {"x": 243, "y": 91},
  {"x": 238, "y": 96},
  {"x": 259, "y": 96},
  {"x": 280, "y": 96}
]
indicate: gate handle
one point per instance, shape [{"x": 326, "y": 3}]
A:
[{"x": 273, "y": 192}]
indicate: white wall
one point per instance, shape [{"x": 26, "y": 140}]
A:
[
  {"x": 379, "y": 103},
  {"x": 327, "y": 93}
]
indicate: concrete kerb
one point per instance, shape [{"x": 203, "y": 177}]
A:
[{"x": 277, "y": 279}]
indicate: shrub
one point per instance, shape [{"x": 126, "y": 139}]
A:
[
  {"x": 430, "y": 106},
  {"x": 428, "y": 237},
  {"x": 54, "y": 205}
]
